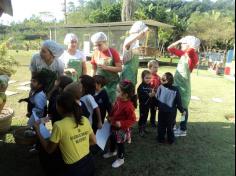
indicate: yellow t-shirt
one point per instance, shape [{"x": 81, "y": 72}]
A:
[{"x": 73, "y": 142}]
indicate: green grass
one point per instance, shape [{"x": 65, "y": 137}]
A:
[{"x": 208, "y": 150}]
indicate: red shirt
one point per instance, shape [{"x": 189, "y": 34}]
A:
[
  {"x": 155, "y": 81},
  {"x": 124, "y": 112},
  {"x": 106, "y": 54},
  {"x": 193, "y": 56}
]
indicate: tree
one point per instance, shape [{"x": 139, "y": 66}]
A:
[
  {"x": 127, "y": 10},
  {"x": 213, "y": 29}
]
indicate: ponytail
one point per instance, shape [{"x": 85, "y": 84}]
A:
[
  {"x": 77, "y": 112},
  {"x": 67, "y": 103}
]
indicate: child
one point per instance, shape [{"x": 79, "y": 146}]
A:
[
  {"x": 168, "y": 100},
  {"x": 122, "y": 118},
  {"x": 73, "y": 135},
  {"x": 145, "y": 94},
  {"x": 88, "y": 89},
  {"x": 101, "y": 99},
  {"x": 75, "y": 88},
  {"x": 155, "y": 83},
  {"x": 59, "y": 86},
  {"x": 37, "y": 102}
]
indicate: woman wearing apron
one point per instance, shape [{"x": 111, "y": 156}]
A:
[
  {"x": 131, "y": 59},
  {"x": 73, "y": 59},
  {"x": 106, "y": 62},
  {"x": 188, "y": 60},
  {"x": 47, "y": 62}
]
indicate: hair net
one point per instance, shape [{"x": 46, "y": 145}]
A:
[
  {"x": 192, "y": 41},
  {"x": 137, "y": 27},
  {"x": 69, "y": 37},
  {"x": 55, "y": 48},
  {"x": 99, "y": 37}
]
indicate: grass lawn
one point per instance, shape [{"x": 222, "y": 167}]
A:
[{"x": 208, "y": 150}]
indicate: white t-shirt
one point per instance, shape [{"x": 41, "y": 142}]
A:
[
  {"x": 66, "y": 57},
  {"x": 37, "y": 64},
  {"x": 90, "y": 104}
]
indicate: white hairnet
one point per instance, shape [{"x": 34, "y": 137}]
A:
[
  {"x": 137, "y": 27},
  {"x": 55, "y": 48},
  {"x": 70, "y": 37},
  {"x": 192, "y": 41},
  {"x": 99, "y": 37}
]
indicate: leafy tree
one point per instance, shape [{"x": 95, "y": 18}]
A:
[{"x": 212, "y": 28}]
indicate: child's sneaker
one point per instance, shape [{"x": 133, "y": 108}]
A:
[
  {"x": 109, "y": 154},
  {"x": 33, "y": 149},
  {"x": 175, "y": 128},
  {"x": 129, "y": 140},
  {"x": 119, "y": 162},
  {"x": 180, "y": 133},
  {"x": 141, "y": 133}
]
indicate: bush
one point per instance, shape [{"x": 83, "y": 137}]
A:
[{"x": 7, "y": 62}]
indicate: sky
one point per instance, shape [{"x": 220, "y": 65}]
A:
[{"x": 26, "y": 8}]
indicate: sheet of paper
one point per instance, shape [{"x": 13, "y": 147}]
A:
[
  {"x": 103, "y": 134},
  {"x": 43, "y": 130}
]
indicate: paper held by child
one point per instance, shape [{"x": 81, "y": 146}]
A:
[
  {"x": 103, "y": 134},
  {"x": 43, "y": 130}
]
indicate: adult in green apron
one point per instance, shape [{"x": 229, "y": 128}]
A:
[
  {"x": 106, "y": 62},
  {"x": 130, "y": 58},
  {"x": 73, "y": 59},
  {"x": 188, "y": 61},
  {"x": 48, "y": 63}
]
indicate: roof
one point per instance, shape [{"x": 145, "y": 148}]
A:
[{"x": 116, "y": 25}]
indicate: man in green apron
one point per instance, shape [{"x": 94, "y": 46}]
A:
[
  {"x": 131, "y": 59},
  {"x": 106, "y": 62},
  {"x": 73, "y": 59},
  {"x": 188, "y": 61}
]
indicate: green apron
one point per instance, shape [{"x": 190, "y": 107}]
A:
[
  {"x": 77, "y": 65},
  {"x": 182, "y": 81},
  {"x": 112, "y": 78},
  {"x": 130, "y": 69}
]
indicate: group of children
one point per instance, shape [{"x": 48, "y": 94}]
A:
[
  {"x": 158, "y": 93},
  {"x": 153, "y": 93}
]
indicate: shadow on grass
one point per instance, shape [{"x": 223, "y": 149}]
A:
[{"x": 209, "y": 149}]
